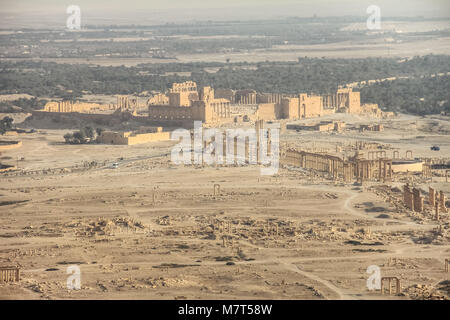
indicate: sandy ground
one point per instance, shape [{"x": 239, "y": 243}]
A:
[
  {"x": 346, "y": 49},
  {"x": 151, "y": 229}
]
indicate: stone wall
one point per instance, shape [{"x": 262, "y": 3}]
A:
[
  {"x": 130, "y": 138},
  {"x": 181, "y": 99},
  {"x": 9, "y": 274},
  {"x": 407, "y": 166},
  {"x": 310, "y": 105},
  {"x": 70, "y": 106},
  {"x": 268, "y": 111},
  {"x": 158, "y": 99},
  {"x": 321, "y": 126},
  {"x": 290, "y": 108},
  {"x": 188, "y": 105},
  {"x": 371, "y": 127}
]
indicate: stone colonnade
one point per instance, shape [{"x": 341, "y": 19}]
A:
[
  {"x": 252, "y": 147},
  {"x": 412, "y": 198},
  {"x": 360, "y": 169}
]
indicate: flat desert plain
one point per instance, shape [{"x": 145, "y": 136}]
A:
[{"x": 150, "y": 229}]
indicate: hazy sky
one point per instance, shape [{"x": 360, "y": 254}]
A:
[{"x": 157, "y": 11}]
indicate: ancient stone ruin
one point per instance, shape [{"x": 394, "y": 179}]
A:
[
  {"x": 9, "y": 274},
  {"x": 389, "y": 281}
]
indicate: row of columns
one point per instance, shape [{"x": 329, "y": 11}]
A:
[
  {"x": 437, "y": 201},
  {"x": 371, "y": 155},
  {"x": 222, "y": 109},
  {"x": 412, "y": 198},
  {"x": 337, "y": 168},
  {"x": 366, "y": 169},
  {"x": 362, "y": 169},
  {"x": 231, "y": 145},
  {"x": 9, "y": 274},
  {"x": 249, "y": 98},
  {"x": 390, "y": 280},
  {"x": 380, "y": 169}
]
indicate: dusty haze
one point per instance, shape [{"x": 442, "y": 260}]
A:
[{"x": 26, "y": 13}]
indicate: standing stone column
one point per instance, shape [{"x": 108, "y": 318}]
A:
[
  {"x": 436, "y": 208},
  {"x": 408, "y": 197},
  {"x": 418, "y": 200},
  {"x": 432, "y": 196},
  {"x": 442, "y": 201}
]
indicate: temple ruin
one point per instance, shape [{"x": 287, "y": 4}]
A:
[
  {"x": 131, "y": 138},
  {"x": 413, "y": 200},
  {"x": 185, "y": 103},
  {"x": 9, "y": 274}
]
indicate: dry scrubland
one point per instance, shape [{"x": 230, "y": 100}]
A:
[
  {"x": 290, "y": 236},
  {"x": 289, "y": 52}
]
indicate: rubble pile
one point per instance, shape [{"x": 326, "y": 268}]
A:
[
  {"x": 103, "y": 226},
  {"x": 427, "y": 292}
]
